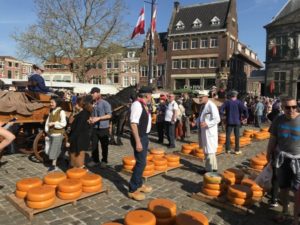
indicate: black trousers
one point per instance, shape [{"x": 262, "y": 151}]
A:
[
  {"x": 101, "y": 135},
  {"x": 160, "y": 130},
  {"x": 236, "y": 130}
]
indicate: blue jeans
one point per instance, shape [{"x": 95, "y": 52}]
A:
[
  {"x": 136, "y": 180},
  {"x": 236, "y": 130},
  {"x": 258, "y": 121}
]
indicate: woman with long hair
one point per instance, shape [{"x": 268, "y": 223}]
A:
[{"x": 80, "y": 135}]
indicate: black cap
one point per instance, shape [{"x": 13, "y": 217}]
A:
[
  {"x": 95, "y": 89},
  {"x": 145, "y": 89}
]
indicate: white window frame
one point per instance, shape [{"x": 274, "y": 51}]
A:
[
  {"x": 176, "y": 45},
  {"x": 194, "y": 41},
  {"x": 213, "y": 43},
  {"x": 215, "y": 21},
  {"x": 125, "y": 81},
  {"x": 180, "y": 25},
  {"x": 177, "y": 61},
  {"x": 197, "y": 23},
  {"x": 191, "y": 63},
  {"x": 210, "y": 63},
  {"x": 185, "y": 44},
  {"x": 133, "y": 80},
  {"x": 183, "y": 62},
  {"x": 204, "y": 40},
  {"x": 201, "y": 62},
  {"x": 133, "y": 69}
]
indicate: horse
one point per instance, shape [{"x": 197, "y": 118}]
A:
[{"x": 120, "y": 112}]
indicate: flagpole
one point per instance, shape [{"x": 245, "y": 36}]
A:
[{"x": 150, "y": 66}]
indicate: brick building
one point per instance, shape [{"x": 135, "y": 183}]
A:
[
  {"x": 13, "y": 68},
  {"x": 283, "y": 52}
]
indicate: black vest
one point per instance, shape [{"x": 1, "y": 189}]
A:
[{"x": 143, "y": 122}]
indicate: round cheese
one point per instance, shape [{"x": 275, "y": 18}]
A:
[
  {"x": 92, "y": 189},
  {"x": 69, "y": 195},
  {"x": 40, "y": 194},
  {"x": 91, "y": 179},
  {"x": 162, "y": 208},
  {"x": 27, "y": 183},
  {"x": 140, "y": 217},
  {"x": 41, "y": 205},
  {"x": 191, "y": 218},
  {"x": 70, "y": 185},
  {"x": 76, "y": 173},
  {"x": 54, "y": 178}
]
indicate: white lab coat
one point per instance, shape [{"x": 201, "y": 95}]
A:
[{"x": 208, "y": 136}]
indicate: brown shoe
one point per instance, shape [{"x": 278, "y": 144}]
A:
[
  {"x": 137, "y": 195},
  {"x": 145, "y": 189}
]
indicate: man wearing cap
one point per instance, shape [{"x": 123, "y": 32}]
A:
[
  {"x": 36, "y": 82},
  {"x": 207, "y": 124},
  {"x": 100, "y": 120},
  {"x": 140, "y": 123},
  {"x": 235, "y": 111}
]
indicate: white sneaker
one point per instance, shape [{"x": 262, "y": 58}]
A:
[{"x": 92, "y": 164}]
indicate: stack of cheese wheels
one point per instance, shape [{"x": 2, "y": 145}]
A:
[
  {"x": 248, "y": 133},
  {"x": 191, "y": 218},
  {"x": 257, "y": 191},
  {"x": 91, "y": 183},
  {"x": 54, "y": 178},
  {"x": 173, "y": 160},
  {"x": 140, "y": 217},
  {"x": 265, "y": 129},
  {"x": 244, "y": 141},
  {"x": 128, "y": 163},
  {"x": 76, "y": 173},
  {"x": 212, "y": 184},
  {"x": 149, "y": 169},
  {"x": 164, "y": 211},
  {"x": 198, "y": 152},
  {"x": 149, "y": 157},
  {"x": 263, "y": 135},
  {"x": 194, "y": 145},
  {"x": 111, "y": 223},
  {"x": 220, "y": 149},
  {"x": 22, "y": 186},
  {"x": 239, "y": 194},
  {"x": 187, "y": 148},
  {"x": 160, "y": 164},
  {"x": 259, "y": 161},
  {"x": 157, "y": 153},
  {"x": 222, "y": 138},
  {"x": 233, "y": 176},
  {"x": 69, "y": 189},
  {"x": 40, "y": 197}
]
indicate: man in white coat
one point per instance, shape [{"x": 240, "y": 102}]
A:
[{"x": 207, "y": 124}]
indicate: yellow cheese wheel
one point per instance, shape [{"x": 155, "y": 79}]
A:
[
  {"x": 70, "y": 185},
  {"x": 149, "y": 157},
  {"x": 160, "y": 162},
  {"x": 76, "y": 173},
  {"x": 127, "y": 167},
  {"x": 237, "y": 173},
  {"x": 257, "y": 194},
  {"x": 194, "y": 145},
  {"x": 265, "y": 129},
  {"x": 40, "y": 194},
  {"x": 172, "y": 158},
  {"x": 213, "y": 186},
  {"x": 191, "y": 218},
  {"x": 173, "y": 164},
  {"x": 129, "y": 160},
  {"x": 252, "y": 184},
  {"x": 198, "y": 150},
  {"x": 140, "y": 217},
  {"x": 111, "y": 223},
  {"x": 162, "y": 208},
  {"x": 149, "y": 166},
  {"x": 157, "y": 156},
  {"x": 199, "y": 155},
  {"x": 27, "y": 183},
  {"x": 187, "y": 151},
  {"x": 229, "y": 179},
  {"x": 262, "y": 155},
  {"x": 20, "y": 194},
  {"x": 247, "y": 135},
  {"x": 50, "y": 185},
  {"x": 239, "y": 201},
  {"x": 91, "y": 189},
  {"x": 258, "y": 161},
  {"x": 157, "y": 151},
  {"x": 54, "y": 178},
  {"x": 91, "y": 179},
  {"x": 41, "y": 205},
  {"x": 148, "y": 173},
  {"x": 165, "y": 221},
  {"x": 256, "y": 167},
  {"x": 212, "y": 178},
  {"x": 187, "y": 147},
  {"x": 210, "y": 192},
  {"x": 222, "y": 135},
  {"x": 69, "y": 195},
  {"x": 161, "y": 168},
  {"x": 240, "y": 191}
]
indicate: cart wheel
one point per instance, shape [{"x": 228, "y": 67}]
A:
[{"x": 39, "y": 146}]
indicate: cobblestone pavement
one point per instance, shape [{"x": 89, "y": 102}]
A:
[{"x": 177, "y": 185}]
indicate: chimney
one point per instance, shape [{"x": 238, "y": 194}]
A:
[{"x": 176, "y": 6}]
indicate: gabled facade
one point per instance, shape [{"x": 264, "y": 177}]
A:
[
  {"x": 160, "y": 43},
  {"x": 283, "y": 52},
  {"x": 202, "y": 40}
]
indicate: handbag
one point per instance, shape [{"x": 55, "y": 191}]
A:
[{"x": 264, "y": 179}]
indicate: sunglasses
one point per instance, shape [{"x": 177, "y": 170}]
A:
[{"x": 290, "y": 107}]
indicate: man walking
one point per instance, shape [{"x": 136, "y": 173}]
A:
[
  {"x": 235, "y": 111},
  {"x": 258, "y": 112},
  {"x": 170, "y": 120},
  {"x": 100, "y": 120},
  {"x": 207, "y": 124},
  {"x": 140, "y": 123},
  {"x": 284, "y": 147}
]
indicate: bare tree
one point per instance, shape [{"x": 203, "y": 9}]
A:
[{"x": 83, "y": 31}]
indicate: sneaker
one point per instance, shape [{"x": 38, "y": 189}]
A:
[
  {"x": 145, "y": 189},
  {"x": 238, "y": 152},
  {"x": 103, "y": 165},
  {"x": 138, "y": 196},
  {"x": 92, "y": 164},
  {"x": 274, "y": 205}
]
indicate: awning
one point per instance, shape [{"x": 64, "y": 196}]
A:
[{"x": 198, "y": 75}]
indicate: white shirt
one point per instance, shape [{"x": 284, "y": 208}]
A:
[
  {"x": 170, "y": 110},
  {"x": 135, "y": 115}
]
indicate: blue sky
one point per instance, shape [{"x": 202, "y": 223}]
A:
[{"x": 15, "y": 15}]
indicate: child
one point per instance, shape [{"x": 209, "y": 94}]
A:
[{"x": 55, "y": 129}]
